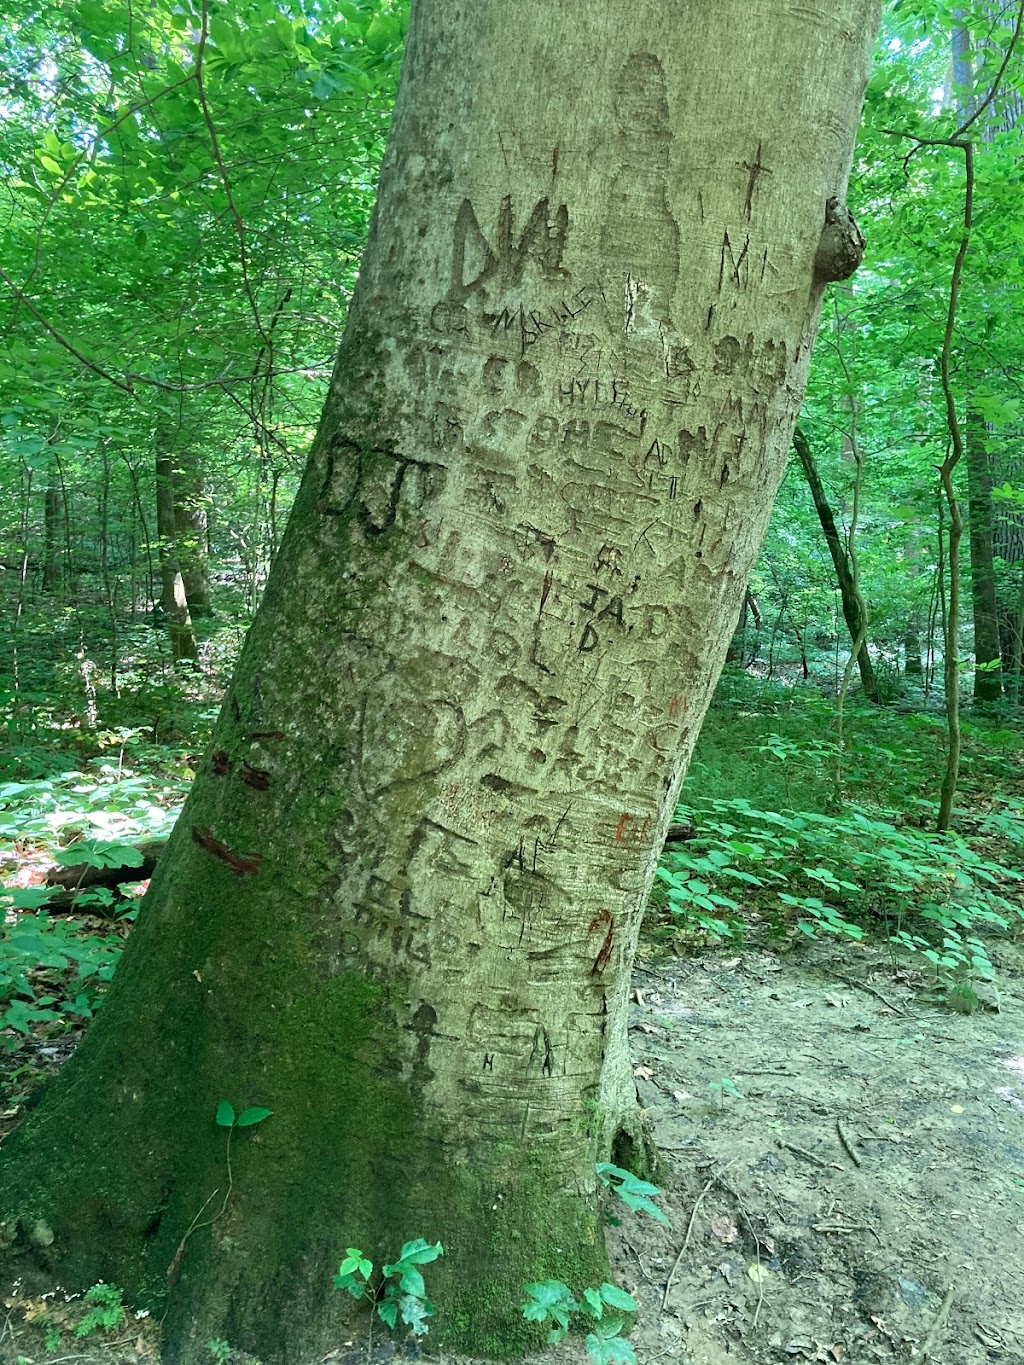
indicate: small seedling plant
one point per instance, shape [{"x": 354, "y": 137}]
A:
[
  {"x": 724, "y": 1087},
  {"x": 604, "y": 1310},
  {"x": 225, "y": 1117},
  {"x": 635, "y": 1193},
  {"x": 106, "y": 1310},
  {"x": 399, "y": 1291}
]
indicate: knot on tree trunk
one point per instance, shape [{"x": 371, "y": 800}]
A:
[{"x": 841, "y": 246}]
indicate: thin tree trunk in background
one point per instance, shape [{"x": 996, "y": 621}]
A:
[
  {"x": 173, "y": 598},
  {"x": 968, "y": 93},
  {"x": 401, "y": 906},
  {"x": 988, "y": 680},
  {"x": 954, "y": 454},
  {"x": 738, "y": 644},
  {"x": 23, "y": 567},
  {"x": 191, "y": 534},
  {"x": 109, "y": 591},
  {"x": 854, "y": 608},
  {"x": 1017, "y": 645},
  {"x": 912, "y": 653},
  {"x": 53, "y": 532}
]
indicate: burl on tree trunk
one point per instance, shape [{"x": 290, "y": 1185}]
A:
[{"x": 401, "y": 906}]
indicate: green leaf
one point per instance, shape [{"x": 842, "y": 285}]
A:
[
  {"x": 388, "y": 1312},
  {"x": 549, "y": 1293},
  {"x": 410, "y": 1280},
  {"x": 30, "y": 897},
  {"x": 618, "y": 1298},
  {"x": 593, "y": 1303},
  {"x": 225, "y": 1115},
  {"x": 534, "y": 1312},
  {"x": 415, "y": 1310},
  {"x": 610, "y": 1350},
  {"x": 248, "y": 1118},
  {"x": 420, "y": 1252}
]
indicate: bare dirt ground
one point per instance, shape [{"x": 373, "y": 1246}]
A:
[
  {"x": 845, "y": 1173},
  {"x": 864, "y": 1199}
]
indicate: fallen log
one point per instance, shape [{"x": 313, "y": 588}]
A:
[
  {"x": 80, "y": 876},
  {"x": 680, "y": 834}
]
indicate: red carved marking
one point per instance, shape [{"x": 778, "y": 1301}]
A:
[
  {"x": 424, "y": 540},
  {"x": 644, "y": 830},
  {"x": 255, "y": 777},
  {"x": 673, "y": 707},
  {"x": 221, "y": 764},
  {"x": 554, "y": 162},
  {"x": 267, "y": 734},
  {"x": 241, "y": 865},
  {"x": 601, "y": 961},
  {"x": 602, "y": 917},
  {"x": 623, "y": 827}
]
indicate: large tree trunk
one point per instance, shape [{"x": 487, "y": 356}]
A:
[
  {"x": 854, "y": 608},
  {"x": 401, "y": 905},
  {"x": 173, "y": 597}
]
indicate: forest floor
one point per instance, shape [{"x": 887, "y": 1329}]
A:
[{"x": 844, "y": 1173}]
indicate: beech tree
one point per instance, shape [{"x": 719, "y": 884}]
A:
[{"x": 401, "y": 905}]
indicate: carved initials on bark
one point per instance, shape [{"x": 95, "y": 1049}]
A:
[
  {"x": 346, "y": 470},
  {"x": 542, "y": 239}
]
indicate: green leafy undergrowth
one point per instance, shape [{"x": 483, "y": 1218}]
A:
[
  {"x": 843, "y": 875},
  {"x": 637, "y": 1195},
  {"x": 106, "y": 1310},
  {"x": 53, "y": 970},
  {"x": 399, "y": 1290},
  {"x": 52, "y": 976},
  {"x": 103, "y": 803},
  {"x": 778, "y": 747},
  {"x": 605, "y": 1311}
]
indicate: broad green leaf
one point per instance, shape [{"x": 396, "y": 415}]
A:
[
  {"x": 618, "y": 1298},
  {"x": 248, "y": 1118},
  {"x": 420, "y": 1252}
]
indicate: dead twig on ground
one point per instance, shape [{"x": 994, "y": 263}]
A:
[
  {"x": 757, "y": 1246},
  {"x": 801, "y": 1151},
  {"x": 847, "y": 1142},
  {"x": 935, "y": 1331},
  {"x": 869, "y": 990},
  {"x": 689, "y": 1232}
]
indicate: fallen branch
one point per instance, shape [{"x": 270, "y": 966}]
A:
[{"x": 80, "y": 876}]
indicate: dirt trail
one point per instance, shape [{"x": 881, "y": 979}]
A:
[{"x": 873, "y": 1166}]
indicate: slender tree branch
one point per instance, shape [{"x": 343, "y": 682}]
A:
[
  {"x": 951, "y": 661},
  {"x": 243, "y": 257},
  {"x": 994, "y": 88},
  {"x": 124, "y": 385}
]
